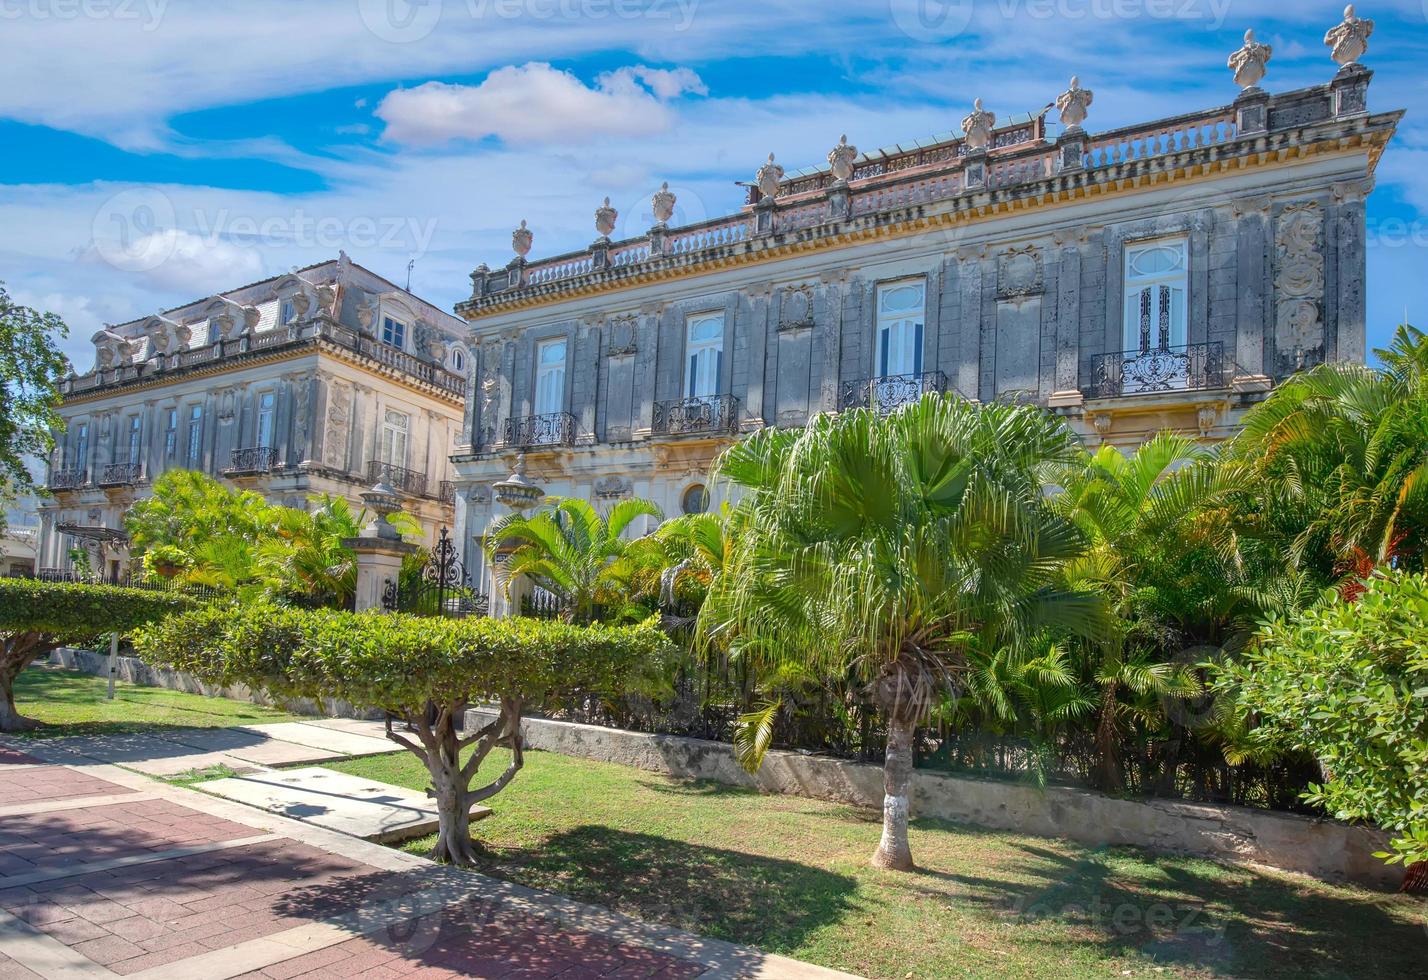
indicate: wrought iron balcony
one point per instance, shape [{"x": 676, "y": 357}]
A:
[
  {"x": 894, "y": 391},
  {"x": 703, "y": 415},
  {"x": 446, "y": 492},
  {"x": 68, "y": 479},
  {"x": 121, "y": 474},
  {"x": 254, "y": 460},
  {"x": 1192, "y": 367},
  {"x": 554, "y": 429},
  {"x": 409, "y": 482}
]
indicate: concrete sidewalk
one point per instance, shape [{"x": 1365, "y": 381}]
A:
[{"x": 107, "y": 872}]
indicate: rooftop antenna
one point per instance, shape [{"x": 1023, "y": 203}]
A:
[{"x": 410, "y": 263}]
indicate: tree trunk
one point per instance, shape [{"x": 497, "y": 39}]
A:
[
  {"x": 453, "y": 836},
  {"x": 1415, "y": 882},
  {"x": 1108, "y": 765},
  {"x": 893, "y": 851},
  {"x": 16, "y": 653}
]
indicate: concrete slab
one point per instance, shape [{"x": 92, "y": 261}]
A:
[
  {"x": 255, "y": 747},
  {"x": 336, "y": 742},
  {"x": 356, "y": 726},
  {"x": 175, "y": 765},
  {"x": 337, "y": 801},
  {"x": 149, "y": 754}
]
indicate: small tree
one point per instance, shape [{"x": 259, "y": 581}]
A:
[
  {"x": 36, "y": 617},
  {"x": 424, "y": 671},
  {"x": 1347, "y": 682},
  {"x": 31, "y": 367}
]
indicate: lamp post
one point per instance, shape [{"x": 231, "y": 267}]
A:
[{"x": 520, "y": 495}]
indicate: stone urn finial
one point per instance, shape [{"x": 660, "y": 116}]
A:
[
  {"x": 1073, "y": 104},
  {"x": 516, "y": 491},
  {"x": 521, "y": 240},
  {"x": 978, "y": 127},
  {"x": 663, "y": 204},
  {"x": 1248, "y": 63},
  {"x": 840, "y": 159},
  {"x": 1348, "y": 42},
  {"x": 768, "y": 178},
  {"x": 605, "y": 218}
]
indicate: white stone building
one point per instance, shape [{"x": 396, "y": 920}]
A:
[{"x": 320, "y": 381}]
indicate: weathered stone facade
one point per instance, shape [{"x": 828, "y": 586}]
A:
[
  {"x": 319, "y": 381},
  {"x": 1156, "y": 276}
]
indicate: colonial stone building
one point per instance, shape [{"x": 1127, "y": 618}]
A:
[
  {"x": 325, "y": 380},
  {"x": 1161, "y": 275}
]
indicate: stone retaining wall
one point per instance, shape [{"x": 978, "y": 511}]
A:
[{"x": 1323, "y": 848}]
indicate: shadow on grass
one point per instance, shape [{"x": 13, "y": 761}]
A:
[
  {"x": 1220, "y": 920},
  {"x": 759, "y": 901}
]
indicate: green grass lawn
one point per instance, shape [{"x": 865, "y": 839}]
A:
[
  {"x": 790, "y": 876},
  {"x": 71, "y": 703}
]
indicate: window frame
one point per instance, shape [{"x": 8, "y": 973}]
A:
[
  {"x": 542, "y": 370},
  {"x": 171, "y": 433},
  {"x": 397, "y": 337},
  {"x": 888, "y": 321},
  {"x": 193, "y": 455},
  {"x": 1155, "y": 311},
  {"x": 694, "y": 371},
  {"x": 263, "y": 440},
  {"x": 388, "y": 438}
]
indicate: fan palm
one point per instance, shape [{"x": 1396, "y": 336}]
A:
[
  {"x": 568, "y": 549},
  {"x": 890, "y": 549}
]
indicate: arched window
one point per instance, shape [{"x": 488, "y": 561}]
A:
[{"x": 695, "y": 500}]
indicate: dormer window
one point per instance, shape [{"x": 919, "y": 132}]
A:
[
  {"x": 286, "y": 312},
  {"x": 458, "y": 361},
  {"x": 394, "y": 332}
]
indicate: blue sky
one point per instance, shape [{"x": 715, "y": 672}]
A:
[{"x": 156, "y": 151}]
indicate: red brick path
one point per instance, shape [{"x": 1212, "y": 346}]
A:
[{"x": 43, "y": 784}]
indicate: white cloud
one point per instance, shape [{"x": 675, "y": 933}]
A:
[{"x": 536, "y": 103}]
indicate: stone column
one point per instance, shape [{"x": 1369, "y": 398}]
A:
[
  {"x": 1253, "y": 315},
  {"x": 1068, "y": 319},
  {"x": 519, "y": 494},
  {"x": 380, "y": 549}
]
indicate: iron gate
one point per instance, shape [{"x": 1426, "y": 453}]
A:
[{"x": 442, "y": 589}]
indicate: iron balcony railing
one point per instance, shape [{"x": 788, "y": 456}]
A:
[
  {"x": 446, "y": 491},
  {"x": 68, "y": 479},
  {"x": 400, "y": 478},
  {"x": 553, "y": 429},
  {"x": 256, "y": 459},
  {"x": 702, "y": 415},
  {"x": 121, "y": 474},
  {"x": 893, "y": 391},
  {"x": 1191, "y": 367}
]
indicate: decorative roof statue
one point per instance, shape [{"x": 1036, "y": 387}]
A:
[
  {"x": 521, "y": 240},
  {"x": 1349, "y": 41},
  {"x": 663, "y": 204},
  {"x": 841, "y": 158},
  {"x": 1073, "y": 104},
  {"x": 605, "y": 218},
  {"x": 1249, "y": 62},
  {"x": 978, "y": 127},
  {"x": 768, "y": 177}
]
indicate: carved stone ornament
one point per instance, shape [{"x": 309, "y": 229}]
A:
[
  {"x": 795, "y": 308},
  {"x": 1299, "y": 278},
  {"x": 480, "y": 493},
  {"x": 662, "y": 203},
  {"x": 613, "y": 487},
  {"x": 622, "y": 336},
  {"x": 1248, "y": 63},
  {"x": 1348, "y": 42},
  {"x": 1019, "y": 273},
  {"x": 521, "y": 240},
  {"x": 339, "y": 421},
  {"x": 978, "y": 127},
  {"x": 367, "y": 315},
  {"x": 768, "y": 177},
  {"x": 605, "y": 219},
  {"x": 1072, "y": 104},
  {"x": 1206, "y": 418},
  {"x": 841, "y": 157}
]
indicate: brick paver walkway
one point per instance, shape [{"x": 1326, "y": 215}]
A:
[{"x": 172, "y": 883}]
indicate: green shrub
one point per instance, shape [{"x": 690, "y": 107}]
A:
[
  {"x": 36, "y": 617},
  {"x": 1348, "y": 683},
  {"x": 424, "y": 671}
]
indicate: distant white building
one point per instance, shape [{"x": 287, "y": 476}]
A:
[
  {"x": 21, "y": 531},
  {"x": 323, "y": 380}
]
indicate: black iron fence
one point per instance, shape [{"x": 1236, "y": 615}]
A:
[
  {"x": 68, "y": 479},
  {"x": 553, "y": 429},
  {"x": 255, "y": 459},
  {"x": 442, "y": 588},
  {"x": 121, "y": 474},
  {"x": 891, "y": 392},
  {"x": 1190, "y": 367},
  {"x": 398, "y": 477},
  {"x": 703, "y": 415}
]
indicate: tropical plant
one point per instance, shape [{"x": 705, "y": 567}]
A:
[
  {"x": 36, "y": 617},
  {"x": 1348, "y": 683},
  {"x": 570, "y": 550},
  {"x": 895, "y": 550},
  {"x": 424, "y": 671}
]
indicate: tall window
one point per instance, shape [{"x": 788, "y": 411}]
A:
[
  {"x": 704, "y": 356},
  {"x": 195, "y": 436},
  {"x": 286, "y": 311},
  {"x": 550, "y": 377},
  {"x": 1155, "y": 296},
  {"x": 81, "y": 445},
  {"x": 901, "y": 315},
  {"x": 394, "y": 332},
  {"x": 267, "y": 402},
  {"x": 170, "y": 434},
  {"x": 136, "y": 428},
  {"x": 393, "y": 449}
]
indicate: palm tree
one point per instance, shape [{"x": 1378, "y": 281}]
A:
[
  {"x": 569, "y": 550},
  {"x": 1142, "y": 515},
  {"x": 894, "y": 550},
  {"x": 306, "y": 556}
]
